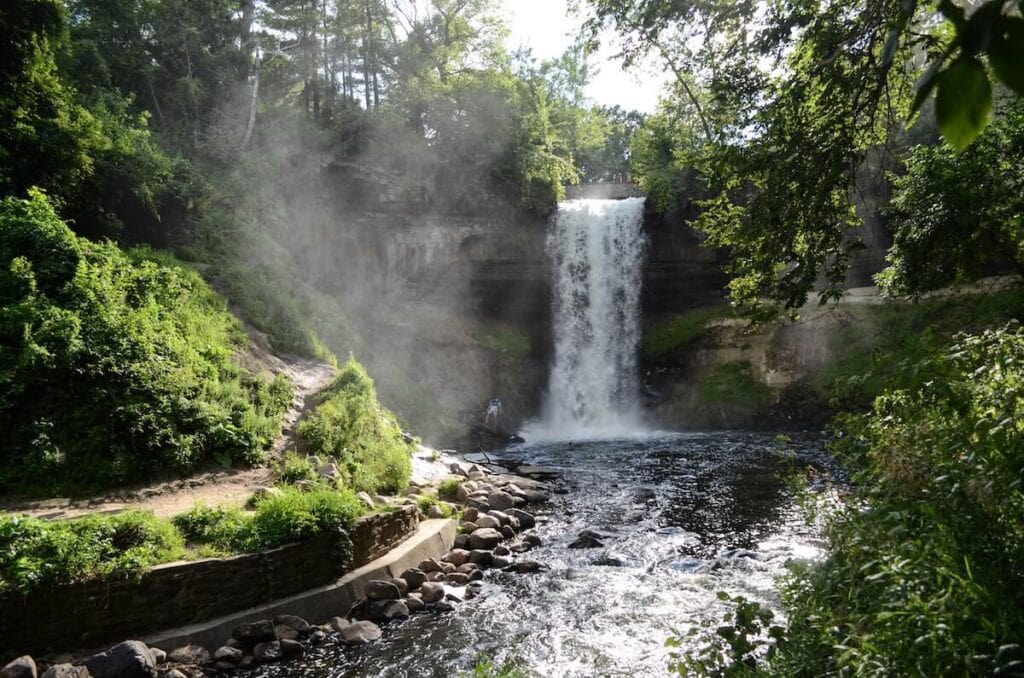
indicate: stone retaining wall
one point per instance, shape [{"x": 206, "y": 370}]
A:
[{"x": 81, "y": 615}]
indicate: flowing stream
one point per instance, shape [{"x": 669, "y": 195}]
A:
[
  {"x": 598, "y": 249},
  {"x": 686, "y": 515}
]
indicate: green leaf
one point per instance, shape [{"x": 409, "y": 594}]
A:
[
  {"x": 1007, "y": 53},
  {"x": 963, "y": 103}
]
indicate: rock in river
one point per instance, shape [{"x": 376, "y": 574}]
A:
[
  {"x": 360, "y": 632},
  {"x": 22, "y": 667},
  {"x": 130, "y": 659},
  {"x": 379, "y": 589},
  {"x": 485, "y": 538},
  {"x": 501, "y": 500}
]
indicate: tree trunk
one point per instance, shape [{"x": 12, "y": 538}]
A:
[
  {"x": 251, "y": 124},
  {"x": 248, "y": 17}
]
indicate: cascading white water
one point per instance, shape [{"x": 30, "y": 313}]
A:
[{"x": 598, "y": 249}]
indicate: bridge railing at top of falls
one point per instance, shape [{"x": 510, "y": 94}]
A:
[{"x": 605, "y": 190}]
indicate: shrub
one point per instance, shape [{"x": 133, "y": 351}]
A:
[
  {"x": 925, "y": 573},
  {"x": 294, "y": 515},
  {"x": 36, "y": 552},
  {"x": 351, "y": 425},
  {"x": 446, "y": 490},
  {"x": 295, "y": 467},
  {"x": 219, "y": 527},
  {"x": 116, "y": 365}
]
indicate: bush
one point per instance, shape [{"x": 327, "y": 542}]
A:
[
  {"x": 351, "y": 425},
  {"x": 219, "y": 527},
  {"x": 294, "y": 515},
  {"x": 925, "y": 573},
  {"x": 295, "y": 467},
  {"x": 446, "y": 490},
  {"x": 116, "y": 366},
  {"x": 36, "y": 552}
]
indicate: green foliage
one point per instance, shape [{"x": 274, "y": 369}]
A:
[
  {"x": 446, "y": 490},
  {"x": 352, "y": 426},
  {"x": 733, "y": 384},
  {"x": 925, "y": 572},
  {"x": 35, "y": 553},
  {"x": 295, "y": 467},
  {"x": 116, "y": 367},
  {"x": 428, "y": 500},
  {"x": 664, "y": 337},
  {"x": 293, "y": 515},
  {"x": 957, "y": 216},
  {"x": 745, "y": 638},
  {"x": 503, "y": 339}
]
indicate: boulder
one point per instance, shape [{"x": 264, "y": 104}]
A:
[
  {"x": 481, "y": 557},
  {"x": 587, "y": 539},
  {"x": 432, "y": 592},
  {"x": 508, "y": 532},
  {"x": 467, "y": 527},
  {"x": 468, "y": 568},
  {"x": 264, "y": 492},
  {"x": 501, "y": 550},
  {"x": 159, "y": 656},
  {"x": 485, "y": 538},
  {"x": 130, "y": 659},
  {"x": 430, "y": 565},
  {"x": 22, "y": 667},
  {"x": 267, "y": 652},
  {"x": 228, "y": 654},
  {"x": 488, "y": 521},
  {"x": 435, "y": 512},
  {"x": 461, "y": 493},
  {"x": 403, "y": 586},
  {"x": 456, "y": 469},
  {"x": 189, "y": 654},
  {"x": 526, "y": 520},
  {"x": 447, "y": 567},
  {"x": 532, "y": 539},
  {"x": 500, "y": 561},
  {"x": 387, "y": 610},
  {"x": 501, "y": 500},
  {"x": 414, "y": 577},
  {"x": 457, "y": 557},
  {"x": 292, "y": 648},
  {"x": 299, "y": 625},
  {"x": 340, "y": 623},
  {"x": 457, "y": 579},
  {"x": 380, "y": 589},
  {"x": 501, "y": 517},
  {"x": 415, "y": 604},
  {"x": 360, "y": 632},
  {"x": 367, "y": 500},
  {"x": 435, "y": 577},
  {"x": 470, "y": 515},
  {"x": 444, "y": 606},
  {"x": 462, "y": 541},
  {"x": 478, "y": 504},
  {"x": 527, "y": 566},
  {"x": 254, "y": 632},
  {"x": 329, "y": 471},
  {"x": 66, "y": 671}
]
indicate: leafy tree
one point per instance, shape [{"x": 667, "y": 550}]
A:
[{"x": 956, "y": 216}]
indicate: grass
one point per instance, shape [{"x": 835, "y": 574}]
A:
[
  {"x": 351, "y": 425},
  {"x": 36, "y": 553},
  {"x": 426, "y": 501},
  {"x": 446, "y": 490},
  {"x": 733, "y": 384},
  {"x": 666, "y": 336}
]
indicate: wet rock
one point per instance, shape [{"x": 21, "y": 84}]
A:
[
  {"x": 481, "y": 557},
  {"x": 444, "y": 606},
  {"x": 22, "y": 667},
  {"x": 289, "y": 626},
  {"x": 481, "y": 506},
  {"x": 470, "y": 515},
  {"x": 462, "y": 541},
  {"x": 500, "y": 561},
  {"x": 501, "y": 550},
  {"x": 159, "y": 656},
  {"x": 457, "y": 579},
  {"x": 501, "y": 500},
  {"x": 403, "y": 586},
  {"x": 415, "y": 604},
  {"x": 340, "y": 623},
  {"x": 317, "y": 637},
  {"x": 432, "y": 592},
  {"x": 585, "y": 541},
  {"x": 228, "y": 654},
  {"x": 360, "y": 632},
  {"x": 292, "y": 648},
  {"x": 189, "y": 654},
  {"x": 414, "y": 577},
  {"x": 532, "y": 539},
  {"x": 66, "y": 671},
  {"x": 379, "y": 589},
  {"x": 488, "y": 521},
  {"x": 501, "y": 517},
  {"x": 388, "y": 610},
  {"x": 473, "y": 589},
  {"x": 526, "y": 520},
  {"x": 435, "y": 577},
  {"x": 267, "y": 652},
  {"x": 130, "y": 659},
  {"x": 609, "y": 560},
  {"x": 468, "y": 568},
  {"x": 535, "y": 496},
  {"x": 537, "y": 471},
  {"x": 467, "y": 527},
  {"x": 485, "y": 538},
  {"x": 527, "y": 566},
  {"x": 254, "y": 632},
  {"x": 476, "y": 575},
  {"x": 508, "y": 532}
]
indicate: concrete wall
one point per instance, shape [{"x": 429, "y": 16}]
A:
[{"x": 92, "y": 613}]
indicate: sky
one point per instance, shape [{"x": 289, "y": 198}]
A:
[{"x": 546, "y": 27}]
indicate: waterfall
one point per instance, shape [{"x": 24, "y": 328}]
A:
[{"x": 597, "y": 247}]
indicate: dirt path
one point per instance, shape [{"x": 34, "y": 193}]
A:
[{"x": 230, "y": 486}]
